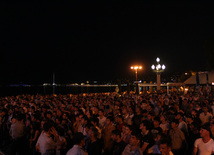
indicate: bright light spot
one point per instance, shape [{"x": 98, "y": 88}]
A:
[
  {"x": 140, "y": 67},
  {"x": 159, "y": 66},
  {"x": 136, "y": 67},
  {"x": 186, "y": 89},
  {"x": 163, "y": 67},
  {"x": 213, "y": 83},
  {"x": 158, "y": 59},
  {"x": 132, "y": 67},
  {"x": 153, "y": 66}
]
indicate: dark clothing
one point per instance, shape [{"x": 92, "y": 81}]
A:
[
  {"x": 18, "y": 146},
  {"x": 118, "y": 147},
  {"x": 157, "y": 130},
  {"x": 95, "y": 148},
  {"x": 148, "y": 138}
]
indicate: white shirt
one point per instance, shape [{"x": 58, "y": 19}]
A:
[
  {"x": 102, "y": 122},
  {"x": 45, "y": 143},
  {"x": 204, "y": 148},
  {"x": 205, "y": 118},
  {"x": 76, "y": 150}
]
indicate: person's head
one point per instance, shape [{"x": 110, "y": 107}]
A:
[
  {"x": 109, "y": 120},
  {"x": 65, "y": 115},
  {"x": 88, "y": 127},
  {"x": 163, "y": 118},
  {"x": 125, "y": 111},
  {"x": 205, "y": 109},
  {"x": 156, "y": 121},
  {"x": 180, "y": 116},
  {"x": 93, "y": 132},
  {"x": 78, "y": 139},
  {"x": 165, "y": 146},
  {"x": 84, "y": 120},
  {"x": 194, "y": 126},
  {"x": 174, "y": 124},
  {"x": 47, "y": 126},
  {"x": 189, "y": 118},
  {"x": 49, "y": 115},
  {"x": 135, "y": 138},
  {"x": 115, "y": 135},
  {"x": 119, "y": 119},
  {"x": 205, "y": 130},
  {"x": 101, "y": 113},
  {"x": 144, "y": 125},
  {"x": 128, "y": 130},
  {"x": 138, "y": 110}
]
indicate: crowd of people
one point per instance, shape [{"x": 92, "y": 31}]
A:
[{"x": 107, "y": 124}]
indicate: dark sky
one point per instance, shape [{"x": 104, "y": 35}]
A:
[{"x": 100, "y": 41}]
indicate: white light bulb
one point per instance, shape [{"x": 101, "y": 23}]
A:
[
  {"x": 163, "y": 67},
  {"x": 153, "y": 66},
  {"x": 158, "y": 59}
]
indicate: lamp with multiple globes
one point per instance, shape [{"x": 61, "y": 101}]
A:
[{"x": 158, "y": 68}]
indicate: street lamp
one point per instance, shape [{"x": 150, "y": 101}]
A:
[
  {"x": 136, "y": 68},
  {"x": 158, "y": 68}
]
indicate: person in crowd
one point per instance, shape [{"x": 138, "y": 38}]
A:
[
  {"x": 107, "y": 131},
  {"x": 146, "y": 136},
  {"x": 95, "y": 144},
  {"x": 156, "y": 126},
  {"x": 137, "y": 117},
  {"x": 70, "y": 112},
  {"x": 127, "y": 134},
  {"x": 34, "y": 135},
  {"x": 133, "y": 148},
  {"x": 165, "y": 146},
  {"x": 205, "y": 116},
  {"x": 182, "y": 125},
  {"x": 119, "y": 122},
  {"x": 194, "y": 133},
  {"x": 177, "y": 138},
  {"x": 79, "y": 142},
  {"x": 154, "y": 149},
  {"x": 119, "y": 144},
  {"x": 126, "y": 116},
  {"x": 46, "y": 144},
  {"x": 205, "y": 144},
  {"x": 95, "y": 122},
  {"x": 164, "y": 124},
  {"x": 18, "y": 135},
  {"x": 102, "y": 119}
]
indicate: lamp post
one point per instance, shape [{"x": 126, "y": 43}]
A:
[
  {"x": 158, "y": 68},
  {"x": 136, "y": 68}
]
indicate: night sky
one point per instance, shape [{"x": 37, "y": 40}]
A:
[{"x": 85, "y": 40}]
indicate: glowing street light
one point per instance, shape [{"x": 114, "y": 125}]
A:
[
  {"x": 136, "y": 68},
  {"x": 158, "y": 68}
]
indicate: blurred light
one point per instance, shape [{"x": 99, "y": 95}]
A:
[
  {"x": 159, "y": 66},
  {"x": 136, "y": 67},
  {"x": 163, "y": 67},
  {"x": 153, "y": 67},
  {"x": 158, "y": 59},
  {"x": 213, "y": 83}
]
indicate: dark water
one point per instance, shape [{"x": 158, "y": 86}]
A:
[{"x": 17, "y": 90}]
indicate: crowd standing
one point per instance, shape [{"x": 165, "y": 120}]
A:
[{"x": 107, "y": 124}]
